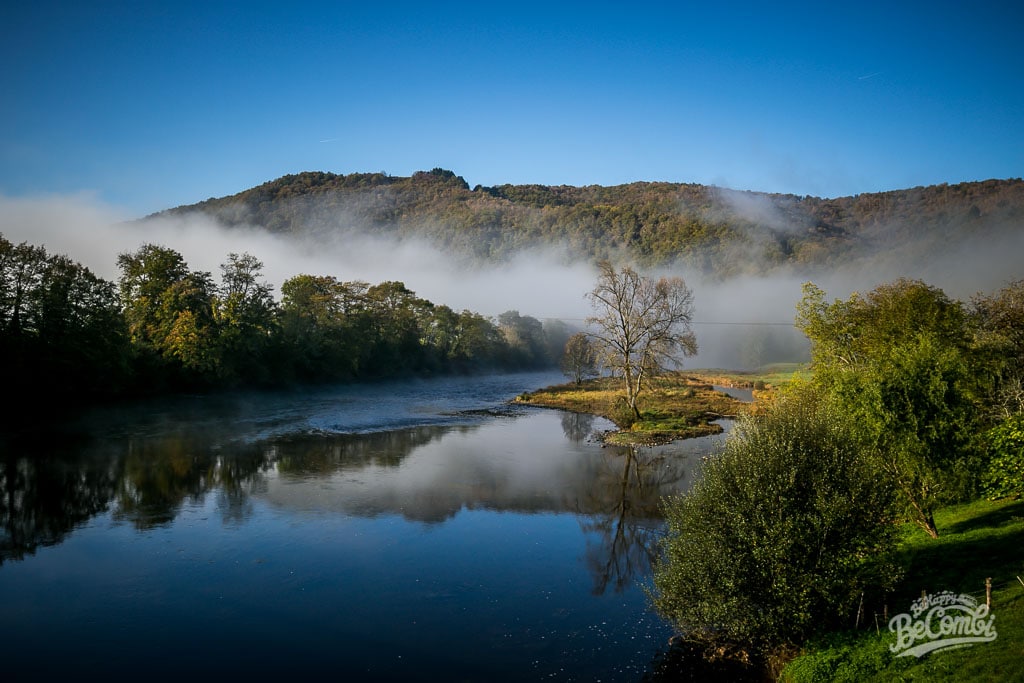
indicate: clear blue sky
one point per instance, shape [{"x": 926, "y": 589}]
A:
[{"x": 151, "y": 105}]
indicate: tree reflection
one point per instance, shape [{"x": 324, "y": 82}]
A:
[
  {"x": 627, "y": 493},
  {"x": 43, "y": 499},
  {"x": 162, "y": 474},
  {"x": 328, "y": 453},
  {"x": 147, "y": 479},
  {"x": 578, "y": 427}
]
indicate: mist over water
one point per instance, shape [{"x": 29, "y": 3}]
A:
[{"x": 740, "y": 322}]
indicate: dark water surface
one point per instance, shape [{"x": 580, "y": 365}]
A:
[{"x": 414, "y": 531}]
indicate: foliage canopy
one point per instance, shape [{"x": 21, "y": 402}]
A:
[
  {"x": 900, "y": 362},
  {"x": 783, "y": 531},
  {"x": 68, "y": 334}
]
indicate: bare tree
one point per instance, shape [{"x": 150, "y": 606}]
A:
[
  {"x": 641, "y": 325},
  {"x": 579, "y": 359}
]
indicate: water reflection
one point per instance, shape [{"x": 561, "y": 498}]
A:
[
  {"x": 622, "y": 522},
  {"x": 161, "y": 474},
  {"x": 541, "y": 461},
  {"x": 578, "y": 427},
  {"x": 475, "y": 548},
  {"x": 42, "y": 500}
]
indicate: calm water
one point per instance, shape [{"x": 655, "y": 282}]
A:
[{"x": 416, "y": 531}]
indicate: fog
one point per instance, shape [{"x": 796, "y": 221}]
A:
[
  {"x": 741, "y": 322},
  {"x": 539, "y": 284}
]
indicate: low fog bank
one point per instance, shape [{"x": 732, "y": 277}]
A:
[
  {"x": 741, "y": 322},
  {"x": 541, "y": 284}
]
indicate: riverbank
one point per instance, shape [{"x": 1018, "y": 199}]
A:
[
  {"x": 677, "y": 405},
  {"x": 977, "y": 541}
]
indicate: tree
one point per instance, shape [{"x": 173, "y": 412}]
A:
[
  {"x": 1005, "y": 443},
  {"x": 81, "y": 332},
  {"x": 999, "y": 321},
  {"x": 781, "y": 533},
  {"x": 146, "y": 276},
  {"x": 21, "y": 272},
  {"x": 525, "y": 338},
  {"x": 169, "y": 311},
  {"x": 641, "y": 325},
  {"x": 899, "y": 360},
  {"x": 61, "y": 328},
  {"x": 579, "y": 360},
  {"x": 324, "y": 326},
  {"x": 245, "y": 311},
  {"x": 395, "y": 315}
]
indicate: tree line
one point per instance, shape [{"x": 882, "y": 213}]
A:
[{"x": 69, "y": 337}]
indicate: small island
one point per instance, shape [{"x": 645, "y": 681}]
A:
[{"x": 677, "y": 405}]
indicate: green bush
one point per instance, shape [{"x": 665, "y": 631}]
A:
[
  {"x": 1005, "y": 476},
  {"x": 778, "y": 539}
]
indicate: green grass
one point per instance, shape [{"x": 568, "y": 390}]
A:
[
  {"x": 773, "y": 376},
  {"x": 977, "y": 540}
]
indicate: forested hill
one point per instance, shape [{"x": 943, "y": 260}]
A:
[{"x": 650, "y": 223}]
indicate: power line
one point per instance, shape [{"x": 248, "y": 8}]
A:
[
  {"x": 732, "y": 322},
  {"x": 695, "y": 322}
]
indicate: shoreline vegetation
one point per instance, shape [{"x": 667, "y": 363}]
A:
[
  {"x": 677, "y": 405},
  {"x": 980, "y": 540}
]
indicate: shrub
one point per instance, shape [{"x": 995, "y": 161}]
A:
[
  {"x": 1005, "y": 476},
  {"x": 777, "y": 540}
]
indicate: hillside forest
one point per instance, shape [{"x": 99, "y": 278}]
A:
[{"x": 703, "y": 230}]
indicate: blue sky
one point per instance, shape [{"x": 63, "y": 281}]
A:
[{"x": 149, "y": 105}]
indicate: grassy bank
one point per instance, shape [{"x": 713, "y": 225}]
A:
[
  {"x": 676, "y": 406},
  {"x": 764, "y": 379},
  {"x": 977, "y": 540}
]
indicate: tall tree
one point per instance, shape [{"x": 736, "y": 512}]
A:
[
  {"x": 640, "y": 325},
  {"x": 396, "y": 313},
  {"x": 999, "y": 320},
  {"x": 900, "y": 360},
  {"x": 323, "y": 324},
  {"x": 21, "y": 272},
  {"x": 81, "y": 329},
  {"x": 246, "y": 312},
  {"x": 169, "y": 312},
  {"x": 61, "y": 327}
]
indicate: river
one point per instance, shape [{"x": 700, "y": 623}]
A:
[{"x": 406, "y": 531}]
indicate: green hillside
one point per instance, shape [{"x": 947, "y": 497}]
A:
[{"x": 705, "y": 228}]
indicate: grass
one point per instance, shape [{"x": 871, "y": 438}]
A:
[
  {"x": 767, "y": 377},
  {"x": 674, "y": 406},
  {"x": 977, "y": 540}
]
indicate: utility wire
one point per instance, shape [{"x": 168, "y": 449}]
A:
[{"x": 695, "y": 322}]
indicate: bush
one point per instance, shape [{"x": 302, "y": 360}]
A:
[
  {"x": 778, "y": 539},
  {"x": 1005, "y": 476}
]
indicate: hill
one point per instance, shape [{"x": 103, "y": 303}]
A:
[{"x": 706, "y": 228}]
